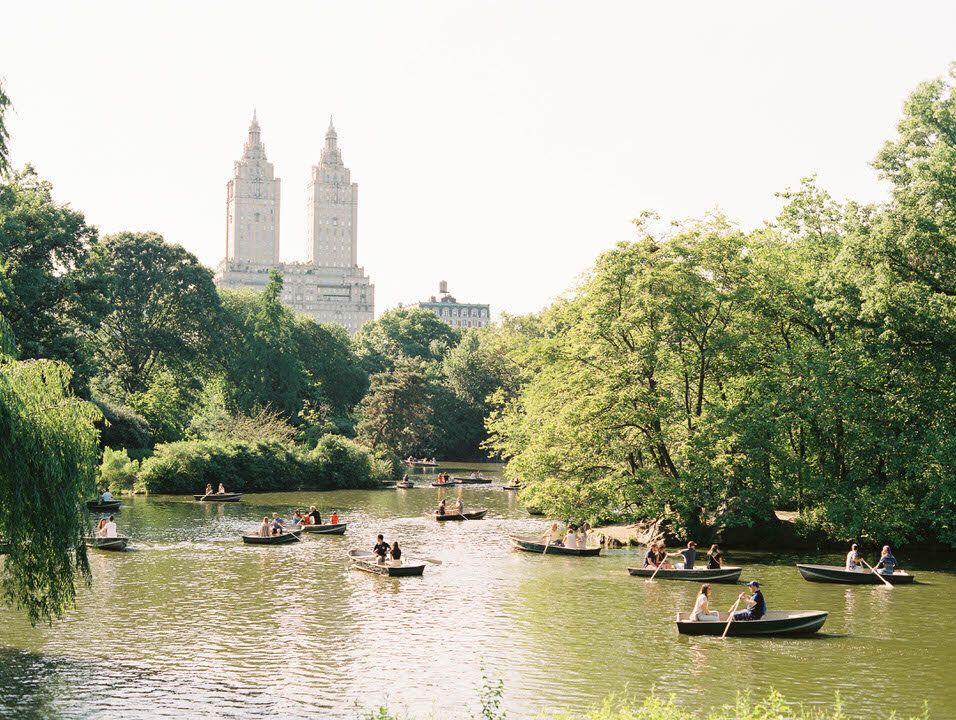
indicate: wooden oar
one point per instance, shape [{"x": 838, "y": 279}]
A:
[
  {"x": 547, "y": 544},
  {"x": 730, "y": 619},
  {"x": 879, "y": 575}
]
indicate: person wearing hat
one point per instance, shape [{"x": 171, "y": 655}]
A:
[
  {"x": 756, "y": 607},
  {"x": 689, "y": 554}
]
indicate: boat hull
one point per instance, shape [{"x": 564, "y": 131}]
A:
[
  {"x": 534, "y": 511},
  {"x": 225, "y": 497},
  {"x": 471, "y": 481},
  {"x": 836, "y": 574},
  {"x": 96, "y": 506},
  {"x": 363, "y": 561},
  {"x": 404, "y": 486},
  {"x": 773, "y": 623},
  {"x": 721, "y": 575},
  {"x": 337, "y": 529},
  {"x": 536, "y": 546},
  {"x": 283, "y": 539},
  {"x": 115, "y": 543},
  {"x": 452, "y": 515}
]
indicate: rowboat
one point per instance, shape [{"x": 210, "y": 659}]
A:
[
  {"x": 726, "y": 574},
  {"x": 404, "y": 485},
  {"x": 836, "y": 574},
  {"x": 336, "y": 529},
  {"x": 535, "y": 511},
  {"x": 533, "y": 544},
  {"x": 101, "y": 506},
  {"x": 281, "y": 539},
  {"x": 772, "y": 623},
  {"x": 219, "y": 497},
  {"x": 416, "y": 463},
  {"x": 442, "y": 484},
  {"x": 511, "y": 487},
  {"x": 104, "y": 543},
  {"x": 453, "y": 515},
  {"x": 361, "y": 560},
  {"x": 471, "y": 481}
]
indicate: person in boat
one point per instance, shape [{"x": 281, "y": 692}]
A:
[
  {"x": 570, "y": 538},
  {"x": 315, "y": 516},
  {"x": 410, "y": 459},
  {"x": 472, "y": 476},
  {"x": 264, "y": 527},
  {"x": 405, "y": 478},
  {"x": 109, "y": 530},
  {"x": 689, "y": 554},
  {"x": 480, "y": 476},
  {"x": 333, "y": 519},
  {"x": 277, "y": 525},
  {"x": 756, "y": 607},
  {"x": 651, "y": 559},
  {"x": 381, "y": 549},
  {"x": 887, "y": 563},
  {"x": 441, "y": 507},
  {"x": 713, "y": 558},
  {"x": 107, "y": 496},
  {"x": 208, "y": 489},
  {"x": 552, "y": 536},
  {"x": 702, "y": 611},
  {"x": 395, "y": 553},
  {"x": 296, "y": 518},
  {"x": 459, "y": 505},
  {"x": 582, "y": 536},
  {"x": 853, "y": 560},
  {"x": 100, "y": 532},
  {"x": 221, "y": 490}
]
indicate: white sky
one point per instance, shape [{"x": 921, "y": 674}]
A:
[{"x": 497, "y": 145}]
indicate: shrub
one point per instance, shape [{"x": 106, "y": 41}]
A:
[{"x": 117, "y": 471}]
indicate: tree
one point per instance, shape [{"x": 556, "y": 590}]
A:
[
  {"x": 410, "y": 333},
  {"x": 42, "y": 243},
  {"x": 161, "y": 310},
  {"x": 48, "y": 467},
  {"x": 395, "y": 415},
  {"x": 4, "y": 133}
]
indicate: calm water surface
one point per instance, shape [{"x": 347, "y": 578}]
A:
[{"x": 192, "y": 623}]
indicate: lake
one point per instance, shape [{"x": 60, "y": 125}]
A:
[{"x": 190, "y": 622}]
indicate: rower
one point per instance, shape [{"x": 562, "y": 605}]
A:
[
  {"x": 887, "y": 563},
  {"x": 107, "y": 496},
  {"x": 853, "y": 559},
  {"x": 756, "y": 607},
  {"x": 381, "y": 549},
  {"x": 208, "y": 489},
  {"x": 315, "y": 515},
  {"x": 459, "y": 506},
  {"x": 441, "y": 507},
  {"x": 689, "y": 554},
  {"x": 277, "y": 524},
  {"x": 550, "y": 534}
]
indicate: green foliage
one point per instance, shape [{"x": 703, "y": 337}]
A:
[
  {"x": 4, "y": 133},
  {"x": 118, "y": 472},
  {"x": 260, "y": 466},
  {"x": 48, "y": 451},
  {"x": 403, "y": 333},
  {"x": 396, "y": 412},
  {"x": 121, "y": 427},
  {"x": 167, "y": 404}
]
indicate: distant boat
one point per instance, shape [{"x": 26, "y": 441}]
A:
[
  {"x": 419, "y": 463},
  {"x": 772, "y": 623},
  {"x": 455, "y": 515},
  {"x": 336, "y": 529},
  {"x": 471, "y": 481},
  {"x": 219, "y": 497},
  {"x": 281, "y": 539},
  {"x": 516, "y": 486},
  {"x": 405, "y": 485},
  {"x": 534, "y": 544},
  {"x": 362, "y": 560},
  {"x": 726, "y": 574},
  {"x": 103, "y": 505},
  {"x": 837, "y": 574},
  {"x": 535, "y": 511},
  {"x": 104, "y": 543}
]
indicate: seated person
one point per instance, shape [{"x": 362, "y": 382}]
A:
[
  {"x": 208, "y": 489},
  {"x": 459, "y": 506},
  {"x": 689, "y": 554},
  {"x": 296, "y": 518},
  {"x": 396, "y": 553},
  {"x": 441, "y": 507},
  {"x": 107, "y": 496},
  {"x": 315, "y": 515},
  {"x": 582, "y": 536},
  {"x": 109, "y": 530},
  {"x": 221, "y": 490},
  {"x": 101, "y": 528},
  {"x": 570, "y": 539},
  {"x": 756, "y": 607},
  {"x": 650, "y": 557},
  {"x": 887, "y": 563},
  {"x": 333, "y": 519},
  {"x": 853, "y": 559},
  {"x": 702, "y": 611},
  {"x": 277, "y": 525},
  {"x": 264, "y": 527},
  {"x": 713, "y": 558},
  {"x": 552, "y": 536},
  {"x": 381, "y": 549}
]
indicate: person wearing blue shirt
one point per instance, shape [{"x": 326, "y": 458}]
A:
[
  {"x": 756, "y": 607},
  {"x": 277, "y": 525},
  {"x": 887, "y": 563},
  {"x": 689, "y": 554}
]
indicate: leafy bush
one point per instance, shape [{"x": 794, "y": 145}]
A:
[
  {"x": 122, "y": 427},
  {"x": 117, "y": 471},
  {"x": 261, "y": 466}
]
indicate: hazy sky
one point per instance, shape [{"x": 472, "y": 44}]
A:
[{"x": 497, "y": 145}]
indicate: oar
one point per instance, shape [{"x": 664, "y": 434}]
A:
[
  {"x": 879, "y": 575},
  {"x": 432, "y": 561},
  {"x": 730, "y": 619},
  {"x": 547, "y": 544}
]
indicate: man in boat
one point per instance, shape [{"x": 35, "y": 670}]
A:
[
  {"x": 887, "y": 563},
  {"x": 552, "y": 536},
  {"x": 277, "y": 524},
  {"x": 107, "y": 496},
  {"x": 756, "y": 607},
  {"x": 459, "y": 506},
  {"x": 315, "y": 515},
  {"x": 109, "y": 530},
  {"x": 853, "y": 561},
  {"x": 381, "y": 549},
  {"x": 689, "y": 554}
]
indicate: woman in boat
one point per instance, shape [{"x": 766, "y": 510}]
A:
[
  {"x": 221, "y": 490},
  {"x": 702, "y": 611},
  {"x": 887, "y": 563},
  {"x": 582, "y": 535},
  {"x": 713, "y": 558},
  {"x": 264, "y": 527},
  {"x": 109, "y": 530},
  {"x": 853, "y": 559},
  {"x": 756, "y": 607},
  {"x": 650, "y": 557},
  {"x": 381, "y": 549},
  {"x": 396, "y": 553},
  {"x": 208, "y": 489},
  {"x": 570, "y": 538},
  {"x": 296, "y": 518},
  {"x": 101, "y": 528},
  {"x": 441, "y": 507}
]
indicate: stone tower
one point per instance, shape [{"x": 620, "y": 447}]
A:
[
  {"x": 332, "y": 238},
  {"x": 252, "y": 205}
]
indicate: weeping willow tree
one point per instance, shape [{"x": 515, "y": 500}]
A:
[{"x": 48, "y": 452}]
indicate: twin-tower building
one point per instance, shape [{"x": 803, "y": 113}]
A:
[{"x": 330, "y": 286}]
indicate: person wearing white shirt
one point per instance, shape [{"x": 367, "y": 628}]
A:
[
  {"x": 702, "y": 611},
  {"x": 570, "y": 540},
  {"x": 107, "y": 496},
  {"x": 110, "y": 528},
  {"x": 853, "y": 559}
]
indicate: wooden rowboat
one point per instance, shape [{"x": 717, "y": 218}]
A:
[
  {"x": 836, "y": 574},
  {"x": 416, "y": 463},
  {"x": 100, "y": 506},
  {"x": 533, "y": 544},
  {"x": 404, "y": 485},
  {"x": 535, "y": 511},
  {"x": 471, "y": 481},
  {"x": 454, "y": 515},
  {"x": 103, "y": 543},
  {"x": 772, "y": 623},
  {"x": 219, "y": 497},
  {"x": 337, "y": 529},
  {"x": 281, "y": 539},
  {"x": 443, "y": 484},
  {"x": 727, "y": 574},
  {"x": 362, "y": 560},
  {"x": 511, "y": 487}
]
